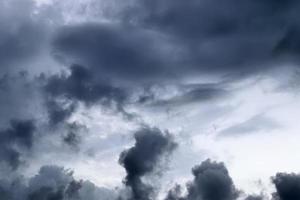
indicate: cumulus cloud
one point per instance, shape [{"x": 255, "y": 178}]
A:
[
  {"x": 53, "y": 183},
  {"x": 211, "y": 182},
  {"x": 150, "y": 146},
  {"x": 287, "y": 186}
]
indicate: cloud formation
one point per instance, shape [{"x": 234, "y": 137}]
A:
[
  {"x": 211, "y": 182},
  {"x": 252, "y": 125},
  {"x": 63, "y": 92},
  {"x": 150, "y": 146},
  {"x": 53, "y": 183},
  {"x": 232, "y": 37},
  {"x": 16, "y": 139},
  {"x": 287, "y": 186},
  {"x": 144, "y": 54}
]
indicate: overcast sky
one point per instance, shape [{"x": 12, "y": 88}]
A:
[{"x": 149, "y": 100}]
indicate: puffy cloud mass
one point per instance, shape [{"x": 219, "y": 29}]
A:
[
  {"x": 287, "y": 186},
  {"x": 211, "y": 182},
  {"x": 53, "y": 183},
  {"x": 140, "y": 160}
]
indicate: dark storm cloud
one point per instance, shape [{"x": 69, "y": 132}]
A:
[
  {"x": 290, "y": 43},
  {"x": 287, "y": 186},
  {"x": 168, "y": 41},
  {"x": 15, "y": 140},
  {"x": 228, "y": 37},
  {"x": 211, "y": 182},
  {"x": 176, "y": 194},
  {"x": 81, "y": 85},
  {"x": 195, "y": 19},
  {"x": 52, "y": 183},
  {"x": 154, "y": 42},
  {"x": 113, "y": 50},
  {"x": 150, "y": 146}
]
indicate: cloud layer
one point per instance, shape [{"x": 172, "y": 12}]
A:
[{"x": 79, "y": 78}]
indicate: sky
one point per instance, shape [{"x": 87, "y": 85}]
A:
[{"x": 149, "y": 100}]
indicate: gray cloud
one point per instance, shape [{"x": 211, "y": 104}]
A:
[
  {"x": 72, "y": 139},
  {"x": 15, "y": 140},
  {"x": 192, "y": 94},
  {"x": 150, "y": 146},
  {"x": 211, "y": 182},
  {"x": 289, "y": 44},
  {"x": 20, "y": 98},
  {"x": 53, "y": 183},
  {"x": 287, "y": 186},
  {"x": 114, "y": 50},
  {"x": 254, "y": 124},
  {"x": 59, "y": 111},
  {"x": 81, "y": 85},
  {"x": 22, "y": 36},
  {"x": 154, "y": 42},
  {"x": 227, "y": 37}
]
